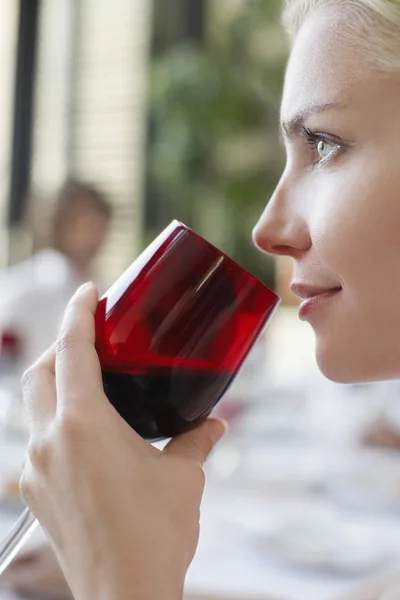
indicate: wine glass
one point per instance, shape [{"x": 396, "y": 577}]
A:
[{"x": 171, "y": 335}]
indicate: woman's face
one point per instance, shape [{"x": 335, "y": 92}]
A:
[{"x": 336, "y": 210}]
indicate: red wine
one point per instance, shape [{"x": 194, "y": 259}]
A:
[
  {"x": 165, "y": 402},
  {"x": 173, "y": 331}
]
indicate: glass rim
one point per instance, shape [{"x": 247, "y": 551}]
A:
[{"x": 231, "y": 260}]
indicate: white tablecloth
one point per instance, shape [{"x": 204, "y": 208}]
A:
[{"x": 228, "y": 563}]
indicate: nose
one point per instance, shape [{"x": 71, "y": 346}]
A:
[{"x": 282, "y": 228}]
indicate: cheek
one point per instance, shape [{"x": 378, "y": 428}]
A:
[
  {"x": 355, "y": 229},
  {"x": 356, "y": 223}
]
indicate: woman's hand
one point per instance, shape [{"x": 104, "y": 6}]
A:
[{"x": 122, "y": 516}]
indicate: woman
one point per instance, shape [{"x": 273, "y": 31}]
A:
[{"x": 130, "y": 528}]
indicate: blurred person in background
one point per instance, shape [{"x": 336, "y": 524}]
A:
[{"x": 35, "y": 292}]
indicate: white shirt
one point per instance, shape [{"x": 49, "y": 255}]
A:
[{"x": 33, "y": 297}]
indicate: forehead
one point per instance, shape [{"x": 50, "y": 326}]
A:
[{"x": 325, "y": 64}]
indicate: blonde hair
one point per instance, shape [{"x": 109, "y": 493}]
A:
[{"x": 376, "y": 23}]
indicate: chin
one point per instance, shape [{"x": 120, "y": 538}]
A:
[
  {"x": 343, "y": 363},
  {"x": 347, "y": 364},
  {"x": 337, "y": 372}
]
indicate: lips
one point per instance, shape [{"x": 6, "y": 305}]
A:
[
  {"x": 313, "y": 297},
  {"x": 309, "y": 291}
]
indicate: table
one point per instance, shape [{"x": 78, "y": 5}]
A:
[
  {"x": 228, "y": 565},
  {"x": 228, "y": 562}
]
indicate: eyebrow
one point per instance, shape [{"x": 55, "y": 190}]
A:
[{"x": 290, "y": 128}]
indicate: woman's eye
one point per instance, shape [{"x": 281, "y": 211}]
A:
[{"x": 324, "y": 149}]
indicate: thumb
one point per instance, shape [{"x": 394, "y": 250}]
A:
[{"x": 198, "y": 443}]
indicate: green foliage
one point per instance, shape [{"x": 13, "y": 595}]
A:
[{"x": 216, "y": 155}]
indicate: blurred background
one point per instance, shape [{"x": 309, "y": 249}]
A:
[
  {"x": 169, "y": 107},
  {"x": 116, "y": 118}
]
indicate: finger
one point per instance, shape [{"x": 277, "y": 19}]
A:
[
  {"x": 78, "y": 373},
  {"x": 38, "y": 390},
  {"x": 48, "y": 359},
  {"x": 198, "y": 443}
]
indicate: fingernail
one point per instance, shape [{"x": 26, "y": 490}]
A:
[{"x": 83, "y": 288}]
